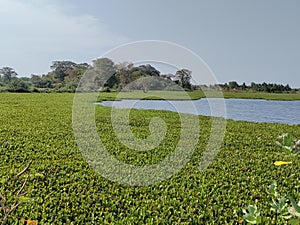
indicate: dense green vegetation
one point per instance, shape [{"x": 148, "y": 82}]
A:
[
  {"x": 263, "y": 87},
  {"x": 63, "y": 189},
  {"x": 64, "y": 76}
]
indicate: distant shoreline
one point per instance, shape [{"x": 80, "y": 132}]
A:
[
  {"x": 177, "y": 95},
  {"x": 197, "y": 94}
]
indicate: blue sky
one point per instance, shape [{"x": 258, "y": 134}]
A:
[{"x": 240, "y": 40}]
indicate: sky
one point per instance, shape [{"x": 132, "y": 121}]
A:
[{"x": 240, "y": 40}]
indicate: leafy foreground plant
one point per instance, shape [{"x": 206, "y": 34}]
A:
[
  {"x": 8, "y": 205},
  {"x": 279, "y": 205},
  {"x": 287, "y": 142},
  {"x": 252, "y": 215}
]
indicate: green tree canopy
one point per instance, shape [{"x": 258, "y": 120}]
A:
[
  {"x": 184, "y": 76},
  {"x": 18, "y": 85},
  {"x": 7, "y": 74},
  {"x": 61, "y": 69},
  {"x": 105, "y": 70}
]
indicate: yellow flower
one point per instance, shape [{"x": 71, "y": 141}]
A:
[
  {"x": 280, "y": 163},
  {"x": 29, "y": 221}
]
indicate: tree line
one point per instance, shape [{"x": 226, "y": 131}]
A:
[
  {"x": 233, "y": 86},
  {"x": 257, "y": 87},
  {"x": 64, "y": 76}
]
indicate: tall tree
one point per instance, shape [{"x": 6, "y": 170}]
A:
[
  {"x": 105, "y": 70},
  {"x": 8, "y": 74},
  {"x": 185, "y": 77},
  {"x": 233, "y": 85},
  {"x": 61, "y": 68},
  {"x": 244, "y": 86},
  {"x": 123, "y": 74},
  {"x": 149, "y": 70},
  {"x": 254, "y": 86}
]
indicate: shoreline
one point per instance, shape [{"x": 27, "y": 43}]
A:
[{"x": 195, "y": 95}]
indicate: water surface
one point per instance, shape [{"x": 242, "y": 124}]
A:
[{"x": 253, "y": 110}]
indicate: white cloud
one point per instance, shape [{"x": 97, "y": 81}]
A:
[{"x": 32, "y": 30}]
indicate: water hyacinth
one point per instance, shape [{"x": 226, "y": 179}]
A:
[
  {"x": 294, "y": 212},
  {"x": 283, "y": 209},
  {"x": 286, "y": 141},
  {"x": 65, "y": 190},
  {"x": 252, "y": 215},
  {"x": 295, "y": 209}
]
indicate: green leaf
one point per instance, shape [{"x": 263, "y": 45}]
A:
[
  {"x": 273, "y": 189},
  {"x": 296, "y": 151},
  {"x": 287, "y": 140},
  {"x": 296, "y": 206},
  {"x": 252, "y": 215},
  {"x": 279, "y": 206}
]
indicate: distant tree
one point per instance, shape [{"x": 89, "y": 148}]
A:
[
  {"x": 287, "y": 88},
  {"x": 184, "y": 76},
  {"x": 148, "y": 70},
  {"x": 62, "y": 68},
  {"x": 41, "y": 81},
  {"x": 123, "y": 74},
  {"x": 74, "y": 75},
  {"x": 264, "y": 87},
  {"x": 270, "y": 87},
  {"x": 106, "y": 72},
  {"x": 224, "y": 87},
  {"x": 8, "y": 74},
  {"x": 244, "y": 86},
  {"x": 18, "y": 85},
  {"x": 35, "y": 79},
  {"x": 233, "y": 85},
  {"x": 254, "y": 86},
  {"x": 83, "y": 65},
  {"x": 167, "y": 76}
]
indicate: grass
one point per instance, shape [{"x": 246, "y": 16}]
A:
[
  {"x": 152, "y": 95},
  {"x": 197, "y": 94},
  {"x": 65, "y": 190}
]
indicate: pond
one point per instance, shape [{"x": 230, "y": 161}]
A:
[{"x": 253, "y": 110}]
